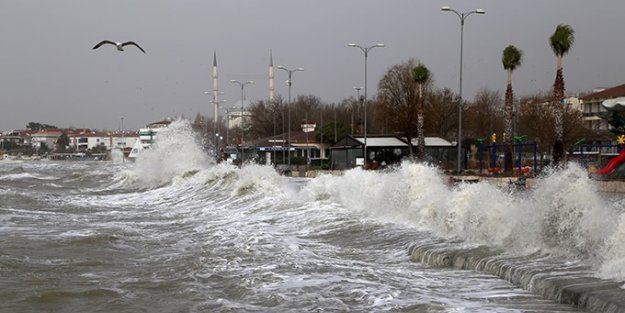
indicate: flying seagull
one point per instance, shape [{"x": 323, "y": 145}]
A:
[{"x": 119, "y": 45}]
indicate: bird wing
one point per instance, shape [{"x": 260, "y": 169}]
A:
[
  {"x": 103, "y": 42},
  {"x": 132, "y": 43}
]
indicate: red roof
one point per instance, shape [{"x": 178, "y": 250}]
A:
[
  {"x": 613, "y": 92},
  {"x": 49, "y": 131}
]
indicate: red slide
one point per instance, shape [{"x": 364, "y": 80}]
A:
[{"x": 612, "y": 164}]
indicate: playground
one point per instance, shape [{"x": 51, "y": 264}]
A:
[{"x": 603, "y": 161}]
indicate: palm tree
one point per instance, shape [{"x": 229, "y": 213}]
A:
[
  {"x": 421, "y": 76},
  {"x": 561, "y": 42},
  {"x": 511, "y": 59}
]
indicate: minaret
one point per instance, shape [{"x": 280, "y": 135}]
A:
[
  {"x": 272, "y": 90},
  {"x": 215, "y": 90}
]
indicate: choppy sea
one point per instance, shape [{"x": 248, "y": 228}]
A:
[{"x": 176, "y": 232}]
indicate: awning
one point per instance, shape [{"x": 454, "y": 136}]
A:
[
  {"x": 616, "y": 104},
  {"x": 382, "y": 142},
  {"x": 433, "y": 142}
]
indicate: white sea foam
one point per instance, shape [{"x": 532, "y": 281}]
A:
[
  {"x": 117, "y": 156},
  {"x": 563, "y": 214},
  {"x": 24, "y": 176},
  {"x": 259, "y": 177},
  {"x": 576, "y": 218},
  {"x": 613, "y": 265},
  {"x": 261, "y": 235},
  {"x": 175, "y": 153}
]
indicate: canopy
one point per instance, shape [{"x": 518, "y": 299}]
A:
[{"x": 616, "y": 104}]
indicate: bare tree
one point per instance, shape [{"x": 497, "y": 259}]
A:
[
  {"x": 536, "y": 119},
  {"x": 203, "y": 127},
  {"x": 398, "y": 96},
  {"x": 266, "y": 118},
  {"x": 442, "y": 113},
  {"x": 484, "y": 115}
]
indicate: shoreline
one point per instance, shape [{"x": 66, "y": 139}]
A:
[
  {"x": 565, "y": 284},
  {"x": 554, "y": 279}
]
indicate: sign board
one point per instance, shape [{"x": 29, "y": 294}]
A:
[
  {"x": 307, "y": 128},
  {"x": 360, "y": 161}
]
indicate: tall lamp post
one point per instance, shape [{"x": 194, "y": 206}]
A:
[
  {"x": 216, "y": 103},
  {"x": 123, "y": 143},
  {"x": 242, "y": 85},
  {"x": 365, "y": 50},
  {"x": 289, "y": 83},
  {"x": 462, "y": 16}
]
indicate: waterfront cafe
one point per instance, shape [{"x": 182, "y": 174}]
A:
[
  {"x": 383, "y": 151},
  {"x": 302, "y": 148}
]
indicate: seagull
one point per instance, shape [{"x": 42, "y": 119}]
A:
[{"x": 119, "y": 45}]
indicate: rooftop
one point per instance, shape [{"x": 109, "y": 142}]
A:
[{"x": 612, "y": 92}]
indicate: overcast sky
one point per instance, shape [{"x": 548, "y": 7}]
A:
[{"x": 50, "y": 74}]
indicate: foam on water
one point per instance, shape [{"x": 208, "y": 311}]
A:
[
  {"x": 575, "y": 216},
  {"x": 174, "y": 153},
  {"x": 613, "y": 265},
  {"x": 216, "y": 237},
  {"x": 24, "y": 176},
  {"x": 117, "y": 156},
  {"x": 564, "y": 214}
]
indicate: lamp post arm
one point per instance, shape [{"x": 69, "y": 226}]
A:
[
  {"x": 461, "y": 16},
  {"x": 365, "y": 51}
]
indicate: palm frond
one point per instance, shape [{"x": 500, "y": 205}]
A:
[
  {"x": 512, "y": 58},
  {"x": 421, "y": 73},
  {"x": 562, "y": 39}
]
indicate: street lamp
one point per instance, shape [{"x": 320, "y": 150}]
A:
[
  {"x": 216, "y": 103},
  {"x": 242, "y": 84},
  {"x": 123, "y": 143},
  {"x": 365, "y": 50},
  {"x": 289, "y": 83},
  {"x": 228, "y": 117},
  {"x": 462, "y": 17}
]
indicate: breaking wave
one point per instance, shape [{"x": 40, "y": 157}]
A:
[{"x": 564, "y": 214}]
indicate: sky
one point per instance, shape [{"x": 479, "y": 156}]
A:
[{"x": 50, "y": 74}]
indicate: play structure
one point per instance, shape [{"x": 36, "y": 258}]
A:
[
  {"x": 591, "y": 156},
  {"x": 495, "y": 159},
  {"x": 615, "y": 168},
  {"x": 492, "y": 156},
  {"x": 613, "y": 164}
]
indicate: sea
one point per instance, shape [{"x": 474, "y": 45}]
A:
[{"x": 174, "y": 231}]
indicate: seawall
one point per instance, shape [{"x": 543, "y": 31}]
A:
[{"x": 548, "y": 277}]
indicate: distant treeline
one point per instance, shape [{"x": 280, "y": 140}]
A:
[{"x": 39, "y": 126}]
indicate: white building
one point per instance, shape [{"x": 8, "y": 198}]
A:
[
  {"x": 592, "y": 108},
  {"x": 47, "y": 137},
  {"x": 238, "y": 116}
]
